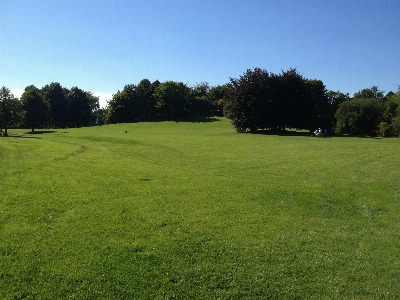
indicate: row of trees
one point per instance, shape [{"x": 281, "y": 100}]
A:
[
  {"x": 51, "y": 106},
  {"x": 167, "y": 100},
  {"x": 370, "y": 112},
  {"x": 262, "y": 100},
  {"x": 54, "y": 106},
  {"x": 256, "y": 100}
]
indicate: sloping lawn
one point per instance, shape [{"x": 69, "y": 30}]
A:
[{"x": 194, "y": 210}]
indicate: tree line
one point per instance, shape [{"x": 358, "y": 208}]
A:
[
  {"x": 167, "y": 100},
  {"x": 260, "y": 100},
  {"x": 52, "y": 106},
  {"x": 257, "y": 100}
]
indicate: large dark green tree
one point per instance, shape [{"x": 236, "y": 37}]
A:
[
  {"x": 56, "y": 96},
  {"x": 391, "y": 113},
  {"x": 145, "y": 99},
  {"x": 263, "y": 100},
  {"x": 371, "y": 93},
  {"x": 359, "y": 116},
  {"x": 7, "y": 108},
  {"x": 249, "y": 100},
  {"x": 151, "y": 103},
  {"x": 80, "y": 107},
  {"x": 36, "y": 108},
  {"x": 173, "y": 99},
  {"x": 123, "y": 106},
  {"x": 335, "y": 99},
  {"x": 323, "y": 114},
  {"x": 296, "y": 104},
  {"x": 94, "y": 108}
]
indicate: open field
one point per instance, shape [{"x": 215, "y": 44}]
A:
[{"x": 194, "y": 210}]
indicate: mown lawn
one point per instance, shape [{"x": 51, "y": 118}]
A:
[{"x": 194, "y": 210}]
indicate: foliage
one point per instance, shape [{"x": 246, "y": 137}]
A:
[
  {"x": 145, "y": 90},
  {"x": 322, "y": 111},
  {"x": 216, "y": 96},
  {"x": 59, "y": 103},
  {"x": 80, "y": 107},
  {"x": 8, "y": 109},
  {"x": 173, "y": 99},
  {"x": 201, "y": 90},
  {"x": 200, "y": 104},
  {"x": 391, "y": 113},
  {"x": 121, "y": 106},
  {"x": 36, "y": 108},
  {"x": 248, "y": 100},
  {"x": 262, "y": 100},
  {"x": 133, "y": 103},
  {"x": 383, "y": 128},
  {"x": 395, "y": 125},
  {"x": 256, "y": 100},
  {"x": 193, "y": 211},
  {"x": 371, "y": 93},
  {"x": 359, "y": 116}
]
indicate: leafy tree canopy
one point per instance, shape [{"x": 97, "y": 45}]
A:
[
  {"x": 371, "y": 93},
  {"x": 359, "y": 116},
  {"x": 6, "y": 108},
  {"x": 37, "y": 109},
  {"x": 262, "y": 100}
]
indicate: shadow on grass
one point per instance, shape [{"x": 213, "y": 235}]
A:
[
  {"x": 183, "y": 120},
  {"x": 197, "y": 119},
  {"x": 28, "y": 134},
  {"x": 40, "y": 132},
  {"x": 281, "y": 132},
  {"x": 306, "y": 133}
]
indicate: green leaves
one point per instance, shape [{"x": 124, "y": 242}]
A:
[
  {"x": 37, "y": 109},
  {"x": 263, "y": 100},
  {"x": 359, "y": 116}
]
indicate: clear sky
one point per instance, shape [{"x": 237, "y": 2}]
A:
[{"x": 102, "y": 45}]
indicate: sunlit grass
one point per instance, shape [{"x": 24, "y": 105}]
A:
[{"x": 190, "y": 210}]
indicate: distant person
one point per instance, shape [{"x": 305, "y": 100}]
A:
[{"x": 319, "y": 132}]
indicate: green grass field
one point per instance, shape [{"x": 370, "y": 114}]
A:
[{"x": 194, "y": 210}]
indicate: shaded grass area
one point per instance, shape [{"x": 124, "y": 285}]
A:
[{"x": 193, "y": 210}]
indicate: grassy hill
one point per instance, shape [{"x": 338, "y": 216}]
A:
[{"x": 194, "y": 210}]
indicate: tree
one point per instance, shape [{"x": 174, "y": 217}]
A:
[
  {"x": 392, "y": 113},
  {"x": 173, "y": 99},
  {"x": 6, "y": 108},
  {"x": 248, "y": 100},
  {"x": 263, "y": 100},
  {"x": 359, "y": 116},
  {"x": 145, "y": 99},
  {"x": 297, "y": 104},
  {"x": 216, "y": 96},
  {"x": 335, "y": 99},
  {"x": 150, "y": 110},
  {"x": 56, "y": 96},
  {"x": 201, "y": 90},
  {"x": 36, "y": 108},
  {"x": 123, "y": 106},
  {"x": 94, "y": 108},
  {"x": 322, "y": 112},
  {"x": 80, "y": 107},
  {"x": 200, "y": 105},
  {"x": 371, "y": 93}
]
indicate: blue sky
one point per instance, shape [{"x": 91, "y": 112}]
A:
[{"x": 102, "y": 45}]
